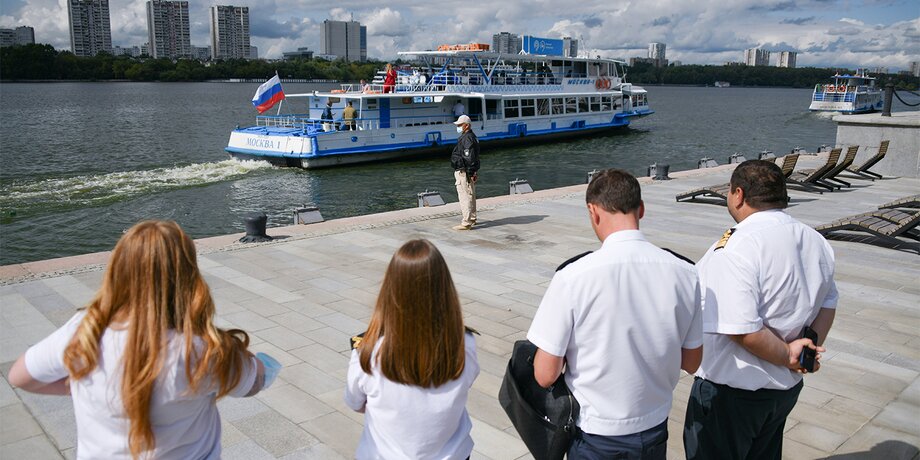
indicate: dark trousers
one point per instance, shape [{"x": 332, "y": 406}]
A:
[
  {"x": 651, "y": 444},
  {"x": 727, "y": 423}
]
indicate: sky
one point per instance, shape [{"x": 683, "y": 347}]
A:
[{"x": 825, "y": 33}]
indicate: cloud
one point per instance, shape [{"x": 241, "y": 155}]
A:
[
  {"x": 593, "y": 22},
  {"x": 385, "y": 22},
  {"x": 662, "y": 21},
  {"x": 855, "y": 22},
  {"x": 798, "y": 21}
]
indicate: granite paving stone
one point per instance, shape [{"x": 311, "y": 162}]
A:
[{"x": 302, "y": 297}]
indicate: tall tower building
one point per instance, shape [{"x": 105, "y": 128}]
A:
[
  {"x": 90, "y": 27},
  {"x": 22, "y": 35},
  {"x": 344, "y": 39},
  {"x": 657, "y": 51},
  {"x": 787, "y": 59},
  {"x": 569, "y": 47},
  {"x": 230, "y": 32},
  {"x": 168, "y": 29},
  {"x": 506, "y": 43},
  {"x": 756, "y": 57}
]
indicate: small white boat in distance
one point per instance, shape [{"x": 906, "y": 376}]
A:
[
  {"x": 847, "y": 94},
  {"x": 510, "y": 98}
]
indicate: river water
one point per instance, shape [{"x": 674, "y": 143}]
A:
[{"x": 81, "y": 162}]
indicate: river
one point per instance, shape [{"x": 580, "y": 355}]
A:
[{"x": 81, "y": 162}]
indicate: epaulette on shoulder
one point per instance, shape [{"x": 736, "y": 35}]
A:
[
  {"x": 680, "y": 256},
  {"x": 724, "y": 240},
  {"x": 573, "y": 259},
  {"x": 356, "y": 340}
]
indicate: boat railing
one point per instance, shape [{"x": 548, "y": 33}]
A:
[
  {"x": 834, "y": 97},
  {"x": 440, "y": 82}
]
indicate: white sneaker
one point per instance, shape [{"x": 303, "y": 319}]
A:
[{"x": 463, "y": 227}]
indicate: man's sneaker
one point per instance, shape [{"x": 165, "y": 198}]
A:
[{"x": 463, "y": 227}]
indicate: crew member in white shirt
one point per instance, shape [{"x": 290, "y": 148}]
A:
[
  {"x": 459, "y": 109},
  {"x": 625, "y": 319},
  {"x": 763, "y": 282},
  {"x": 144, "y": 362},
  {"x": 411, "y": 372}
]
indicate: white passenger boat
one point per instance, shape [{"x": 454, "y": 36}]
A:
[
  {"x": 510, "y": 98},
  {"x": 847, "y": 94}
]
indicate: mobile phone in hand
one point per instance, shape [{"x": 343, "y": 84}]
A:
[{"x": 808, "y": 355}]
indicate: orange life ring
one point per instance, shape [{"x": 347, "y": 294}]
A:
[
  {"x": 830, "y": 89},
  {"x": 606, "y": 83},
  {"x": 338, "y": 91},
  {"x": 841, "y": 89},
  {"x": 598, "y": 84}
]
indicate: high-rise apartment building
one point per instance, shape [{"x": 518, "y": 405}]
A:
[
  {"x": 569, "y": 47},
  {"x": 344, "y": 39},
  {"x": 787, "y": 59},
  {"x": 657, "y": 51},
  {"x": 230, "y": 32},
  {"x": 915, "y": 68},
  {"x": 506, "y": 43},
  {"x": 22, "y": 35},
  {"x": 756, "y": 57},
  {"x": 90, "y": 27},
  {"x": 168, "y": 29}
]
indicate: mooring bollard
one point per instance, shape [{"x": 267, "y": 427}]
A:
[
  {"x": 736, "y": 157},
  {"x": 255, "y": 228},
  {"x": 766, "y": 155},
  {"x": 591, "y": 175},
  {"x": 659, "y": 171},
  {"x": 706, "y": 163}
]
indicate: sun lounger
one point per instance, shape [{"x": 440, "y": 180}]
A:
[
  {"x": 720, "y": 191},
  {"x": 831, "y": 177},
  {"x": 912, "y": 202},
  {"x": 811, "y": 177},
  {"x": 897, "y": 224},
  {"x": 862, "y": 171}
]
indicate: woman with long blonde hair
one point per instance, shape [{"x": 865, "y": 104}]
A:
[
  {"x": 412, "y": 370},
  {"x": 144, "y": 362}
]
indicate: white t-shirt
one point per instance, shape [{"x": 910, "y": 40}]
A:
[
  {"x": 775, "y": 272},
  {"x": 620, "y": 316},
  {"x": 411, "y": 422},
  {"x": 459, "y": 109},
  {"x": 185, "y": 426}
]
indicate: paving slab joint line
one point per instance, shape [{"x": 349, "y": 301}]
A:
[{"x": 37, "y": 422}]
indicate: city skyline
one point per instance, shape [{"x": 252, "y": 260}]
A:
[{"x": 861, "y": 33}]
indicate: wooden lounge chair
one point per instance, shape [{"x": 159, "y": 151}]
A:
[
  {"x": 912, "y": 202},
  {"x": 810, "y": 177},
  {"x": 876, "y": 224},
  {"x": 862, "y": 171},
  {"x": 721, "y": 191},
  {"x": 831, "y": 177}
]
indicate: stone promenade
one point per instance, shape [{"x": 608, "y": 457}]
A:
[{"x": 302, "y": 296}]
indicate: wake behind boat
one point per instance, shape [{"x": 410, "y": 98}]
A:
[
  {"x": 509, "y": 98},
  {"x": 848, "y": 94}
]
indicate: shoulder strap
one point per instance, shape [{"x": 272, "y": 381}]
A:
[
  {"x": 573, "y": 259},
  {"x": 680, "y": 256}
]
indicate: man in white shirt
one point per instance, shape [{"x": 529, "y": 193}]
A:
[
  {"x": 625, "y": 319},
  {"x": 459, "y": 109},
  {"x": 762, "y": 283}
]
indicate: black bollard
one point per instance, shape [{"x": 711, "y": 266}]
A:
[
  {"x": 889, "y": 91},
  {"x": 255, "y": 228}
]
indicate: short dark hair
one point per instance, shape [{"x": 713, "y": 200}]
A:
[
  {"x": 763, "y": 183},
  {"x": 614, "y": 190}
]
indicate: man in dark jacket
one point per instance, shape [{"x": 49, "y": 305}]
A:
[{"x": 465, "y": 161}]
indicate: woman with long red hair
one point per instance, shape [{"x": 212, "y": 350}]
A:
[
  {"x": 144, "y": 362},
  {"x": 412, "y": 371}
]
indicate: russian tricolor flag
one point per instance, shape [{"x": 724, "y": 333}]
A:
[{"x": 268, "y": 94}]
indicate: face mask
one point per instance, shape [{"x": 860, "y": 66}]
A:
[{"x": 460, "y": 129}]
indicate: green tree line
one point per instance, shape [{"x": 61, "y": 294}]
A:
[
  {"x": 43, "y": 62},
  {"x": 741, "y": 75}
]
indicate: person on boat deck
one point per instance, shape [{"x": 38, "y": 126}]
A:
[
  {"x": 389, "y": 81},
  {"x": 459, "y": 109},
  {"x": 348, "y": 116},
  {"x": 365, "y": 87},
  {"x": 465, "y": 161}
]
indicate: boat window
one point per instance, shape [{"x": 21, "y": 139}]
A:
[
  {"x": 527, "y": 107},
  {"x": 492, "y": 108},
  {"x": 606, "y": 102},
  {"x": 570, "y": 105},
  {"x": 582, "y": 104},
  {"x": 511, "y": 108},
  {"x": 371, "y": 104},
  {"x": 542, "y": 106},
  {"x": 595, "y": 103},
  {"x": 558, "y": 107}
]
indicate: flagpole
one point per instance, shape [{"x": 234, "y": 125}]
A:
[{"x": 282, "y": 101}]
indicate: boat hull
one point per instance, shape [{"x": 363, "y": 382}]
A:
[{"x": 294, "y": 150}]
